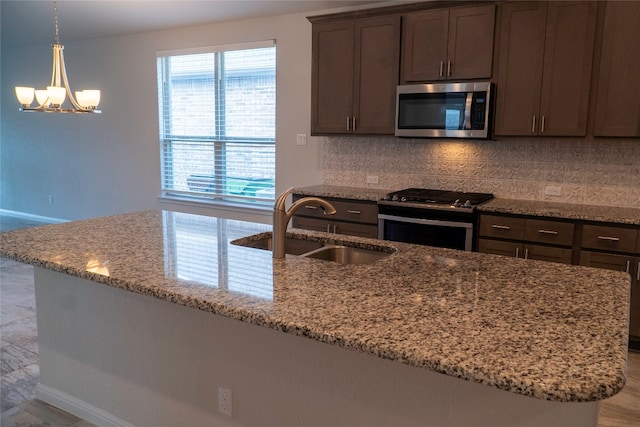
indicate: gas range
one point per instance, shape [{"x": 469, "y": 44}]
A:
[
  {"x": 430, "y": 217},
  {"x": 424, "y": 198}
]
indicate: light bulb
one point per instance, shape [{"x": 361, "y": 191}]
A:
[
  {"x": 42, "y": 96},
  {"x": 92, "y": 97},
  {"x": 25, "y": 95},
  {"x": 57, "y": 95}
]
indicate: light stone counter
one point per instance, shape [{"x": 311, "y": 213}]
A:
[
  {"x": 612, "y": 214},
  {"x": 544, "y": 330}
]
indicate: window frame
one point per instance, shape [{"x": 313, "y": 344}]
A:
[{"x": 166, "y": 139}]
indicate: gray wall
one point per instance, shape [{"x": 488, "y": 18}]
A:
[{"x": 96, "y": 165}]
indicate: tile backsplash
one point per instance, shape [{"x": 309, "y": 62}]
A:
[{"x": 595, "y": 172}]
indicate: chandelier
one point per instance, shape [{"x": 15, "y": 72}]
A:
[{"x": 52, "y": 98}]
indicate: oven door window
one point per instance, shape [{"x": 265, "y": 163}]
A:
[
  {"x": 422, "y": 234},
  {"x": 440, "y": 111}
]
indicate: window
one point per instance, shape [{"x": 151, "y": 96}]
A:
[{"x": 217, "y": 123}]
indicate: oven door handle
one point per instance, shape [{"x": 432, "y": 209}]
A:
[{"x": 423, "y": 221}]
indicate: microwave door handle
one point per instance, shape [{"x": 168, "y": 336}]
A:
[{"x": 467, "y": 111}]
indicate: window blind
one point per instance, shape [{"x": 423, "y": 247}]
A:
[{"x": 217, "y": 123}]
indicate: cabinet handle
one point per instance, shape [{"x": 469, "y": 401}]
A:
[
  {"x": 334, "y": 228},
  {"x": 348, "y": 122},
  {"x": 611, "y": 239},
  {"x": 328, "y": 229},
  {"x": 353, "y": 212},
  {"x": 555, "y": 233},
  {"x": 448, "y": 68},
  {"x": 628, "y": 266},
  {"x": 441, "y": 68},
  {"x": 533, "y": 125},
  {"x": 638, "y": 272},
  {"x": 353, "y": 128},
  {"x": 310, "y": 207},
  {"x": 526, "y": 254},
  {"x": 517, "y": 251},
  {"x": 542, "y": 125},
  {"x": 501, "y": 227}
]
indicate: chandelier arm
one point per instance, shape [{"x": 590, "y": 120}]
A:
[{"x": 63, "y": 69}]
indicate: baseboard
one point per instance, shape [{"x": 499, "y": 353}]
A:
[
  {"x": 77, "y": 407},
  {"x": 33, "y": 217}
]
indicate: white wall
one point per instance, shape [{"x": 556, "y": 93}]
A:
[{"x": 96, "y": 165}]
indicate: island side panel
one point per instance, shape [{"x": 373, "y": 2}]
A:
[{"x": 107, "y": 354}]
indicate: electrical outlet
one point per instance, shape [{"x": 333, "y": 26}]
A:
[
  {"x": 50, "y": 199},
  {"x": 301, "y": 139},
  {"x": 224, "y": 401},
  {"x": 372, "y": 179},
  {"x": 552, "y": 190}
]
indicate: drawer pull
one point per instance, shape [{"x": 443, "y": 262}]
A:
[
  {"x": 638, "y": 272},
  {"x": 555, "y": 233},
  {"x": 353, "y": 212},
  {"x": 628, "y": 266},
  {"x": 526, "y": 254},
  {"x": 611, "y": 239},
  {"x": 310, "y": 207},
  {"x": 517, "y": 251},
  {"x": 501, "y": 227}
]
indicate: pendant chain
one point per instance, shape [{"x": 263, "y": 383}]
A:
[{"x": 55, "y": 17}]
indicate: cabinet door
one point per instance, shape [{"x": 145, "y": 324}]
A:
[
  {"x": 568, "y": 57},
  {"x": 502, "y": 227},
  {"x": 470, "y": 47},
  {"x": 353, "y": 229},
  {"x": 613, "y": 239},
  {"x": 618, "y": 98},
  {"x": 519, "y": 80},
  {"x": 551, "y": 232},
  {"x": 499, "y": 247},
  {"x": 332, "y": 77},
  {"x": 606, "y": 260},
  {"x": 424, "y": 45},
  {"x": 548, "y": 253},
  {"x": 377, "y": 63},
  {"x": 312, "y": 224},
  {"x": 634, "y": 324}
]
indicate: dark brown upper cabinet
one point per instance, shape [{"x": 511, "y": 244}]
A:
[
  {"x": 448, "y": 44},
  {"x": 617, "y": 108},
  {"x": 544, "y": 70},
  {"x": 355, "y": 69}
]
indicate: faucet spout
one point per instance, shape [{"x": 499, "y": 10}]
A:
[{"x": 282, "y": 216}]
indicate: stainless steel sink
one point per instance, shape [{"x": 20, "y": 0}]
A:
[
  {"x": 347, "y": 254},
  {"x": 291, "y": 246},
  {"x": 341, "y": 254}
]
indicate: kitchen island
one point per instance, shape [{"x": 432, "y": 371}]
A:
[{"x": 143, "y": 316}]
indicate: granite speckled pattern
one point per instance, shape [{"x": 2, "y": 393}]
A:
[
  {"x": 354, "y": 193},
  {"x": 544, "y": 330},
  {"x": 612, "y": 214}
]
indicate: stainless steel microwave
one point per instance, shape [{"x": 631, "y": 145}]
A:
[{"x": 444, "y": 110}]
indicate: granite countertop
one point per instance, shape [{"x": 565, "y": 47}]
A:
[
  {"x": 612, "y": 214},
  {"x": 354, "y": 193},
  {"x": 544, "y": 330},
  {"x": 619, "y": 215}
]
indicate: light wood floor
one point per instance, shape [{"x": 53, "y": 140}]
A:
[{"x": 20, "y": 373}]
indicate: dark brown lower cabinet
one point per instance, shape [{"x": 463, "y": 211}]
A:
[{"x": 548, "y": 253}]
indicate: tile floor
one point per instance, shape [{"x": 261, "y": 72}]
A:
[{"x": 19, "y": 357}]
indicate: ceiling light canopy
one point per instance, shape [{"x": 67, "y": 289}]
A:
[{"x": 52, "y": 98}]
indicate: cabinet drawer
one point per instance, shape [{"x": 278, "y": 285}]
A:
[
  {"x": 356, "y": 211},
  {"x": 502, "y": 226},
  {"x": 617, "y": 239},
  {"x": 608, "y": 261},
  {"x": 499, "y": 247},
  {"x": 554, "y": 232},
  {"x": 312, "y": 210},
  {"x": 546, "y": 253}
]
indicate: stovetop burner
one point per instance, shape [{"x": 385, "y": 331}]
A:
[{"x": 423, "y": 196}]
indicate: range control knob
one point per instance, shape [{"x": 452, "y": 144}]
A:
[
  {"x": 457, "y": 203},
  {"x": 467, "y": 204},
  {"x": 403, "y": 199},
  {"x": 394, "y": 198}
]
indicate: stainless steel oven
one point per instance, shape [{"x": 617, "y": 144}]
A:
[{"x": 430, "y": 217}]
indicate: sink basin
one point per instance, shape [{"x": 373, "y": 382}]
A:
[
  {"x": 291, "y": 246},
  {"x": 347, "y": 255}
]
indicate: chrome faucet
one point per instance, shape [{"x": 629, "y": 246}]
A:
[{"x": 281, "y": 217}]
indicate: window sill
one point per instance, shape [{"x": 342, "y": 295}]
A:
[{"x": 264, "y": 210}]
